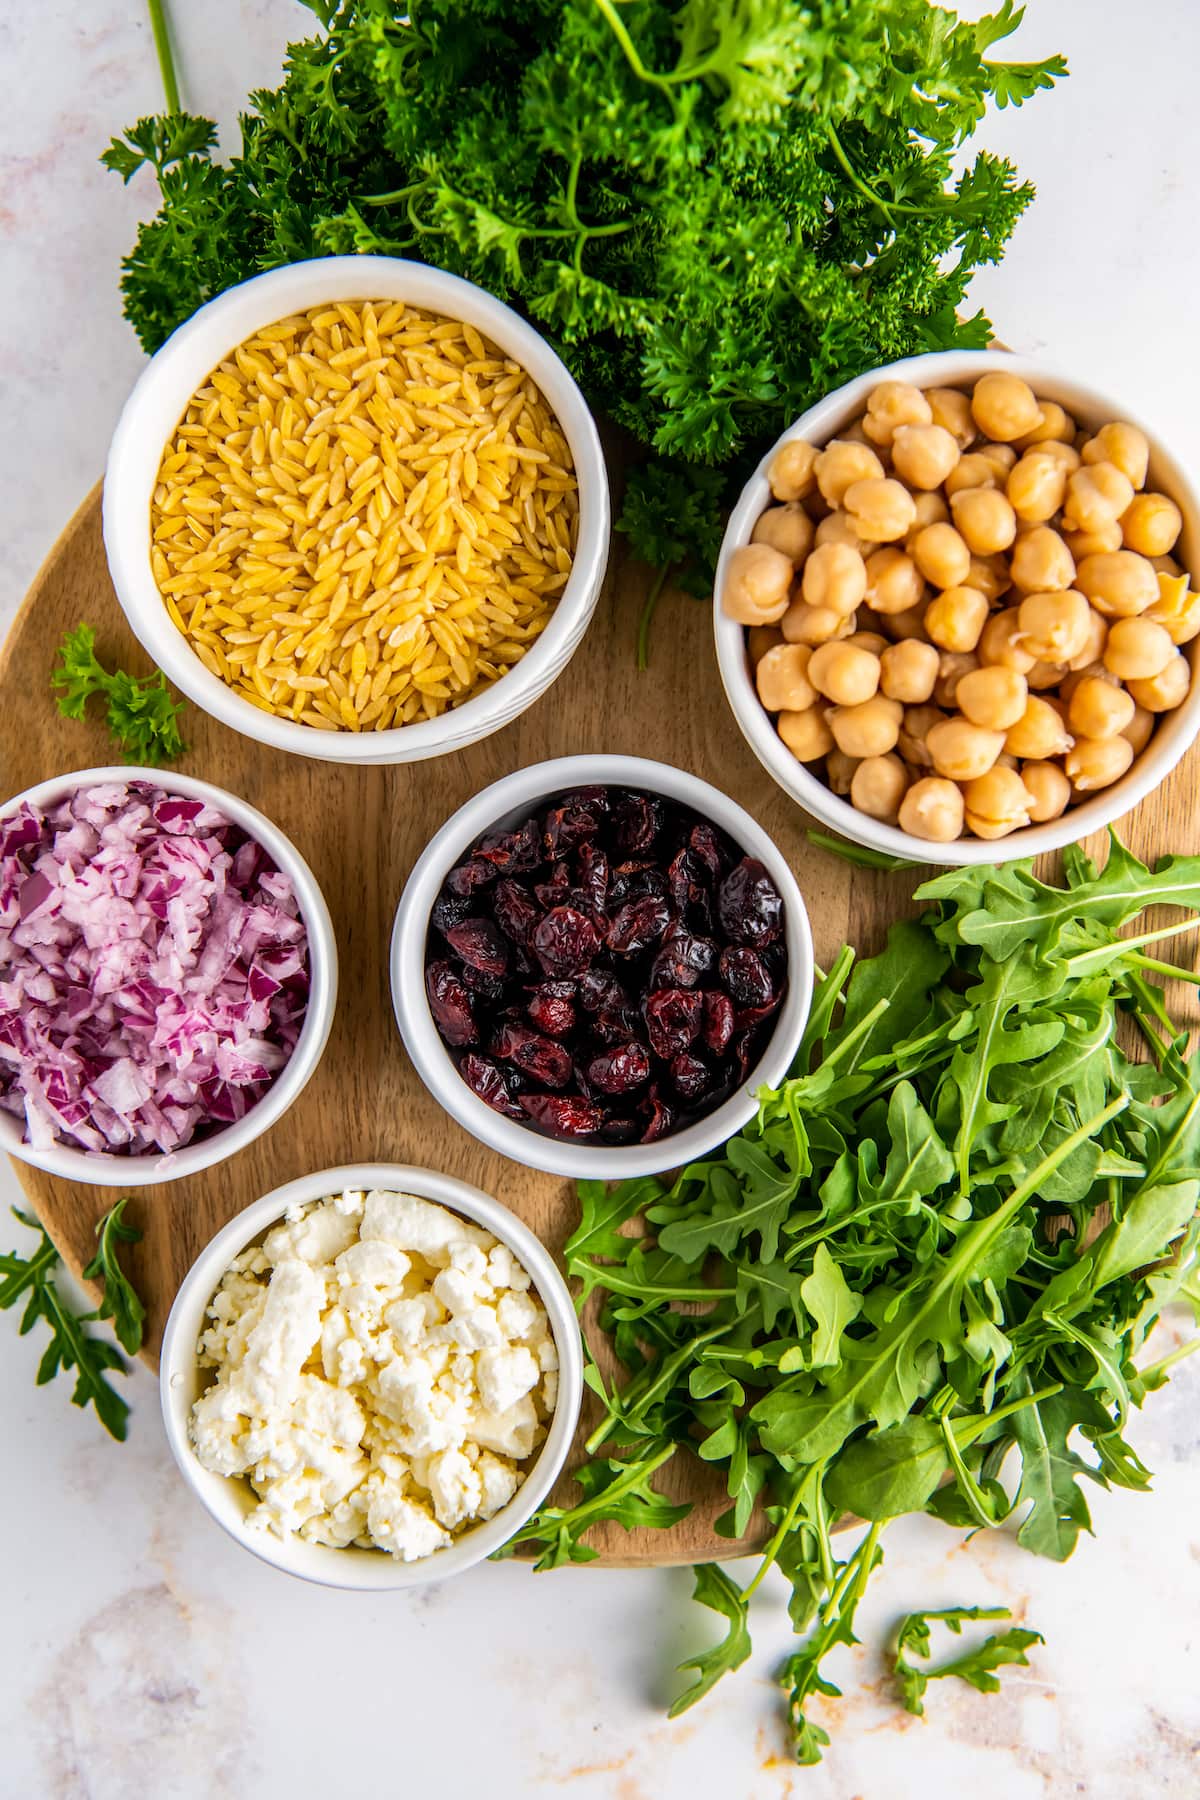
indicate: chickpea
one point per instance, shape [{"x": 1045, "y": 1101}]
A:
[
  {"x": 839, "y": 768},
  {"x": 1041, "y": 562},
  {"x": 951, "y": 409},
  {"x": 1048, "y": 790},
  {"x": 1045, "y": 675},
  {"x": 1071, "y": 680},
  {"x": 1166, "y": 690},
  {"x": 961, "y": 750},
  {"x": 1094, "y": 543},
  {"x": 1001, "y": 456},
  {"x": 841, "y": 464},
  {"x": 844, "y": 673},
  {"x": 835, "y": 577},
  {"x": 918, "y": 722},
  {"x": 1118, "y": 584},
  {"x": 972, "y": 471},
  {"x": 1000, "y": 643},
  {"x": 996, "y": 803},
  {"x": 760, "y": 639},
  {"x": 909, "y": 671},
  {"x": 878, "y": 787},
  {"x": 954, "y": 619},
  {"x": 931, "y": 509},
  {"x": 837, "y": 527},
  {"x": 1124, "y": 446},
  {"x": 1176, "y": 610},
  {"x": 990, "y": 574},
  {"x": 869, "y": 729},
  {"x": 783, "y": 679},
  {"x": 994, "y": 698},
  {"x": 1097, "y": 494},
  {"x": 902, "y": 626},
  {"x": 790, "y": 471},
  {"x": 1039, "y": 732},
  {"x": 1035, "y": 487},
  {"x": 892, "y": 404},
  {"x": 1098, "y": 709},
  {"x": 1054, "y": 627},
  {"x": 923, "y": 455},
  {"x": 806, "y": 734},
  {"x": 1004, "y": 407},
  {"x": 942, "y": 555},
  {"x": 1097, "y": 762},
  {"x": 952, "y": 666},
  {"x": 894, "y": 583},
  {"x": 881, "y": 510},
  {"x": 1137, "y": 649},
  {"x": 1092, "y": 648},
  {"x": 758, "y": 585},
  {"x": 1139, "y": 729},
  {"x": 868, "y": 640},
  {"x": 805, "y": 624},
  {"x": 1064, "y": 454},
  {"x": 933, "y": 810},
  {"x": 1151, "y": 525},
  {"x": 787, "y": 529},
  {"x": 984, "y": 518},
  {"x": 1055, "y": 425}
]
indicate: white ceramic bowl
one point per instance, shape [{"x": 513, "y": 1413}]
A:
[
  {"x": 503, "y": 805},
  {"x": 230, "y": 1501},
  {"x": 158, "y": 402},
  {"x": 102, "y": 1170},
  {"x": 1172, "y": 737}
]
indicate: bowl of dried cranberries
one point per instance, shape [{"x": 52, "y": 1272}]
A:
[{"x": 596, "y": 962}]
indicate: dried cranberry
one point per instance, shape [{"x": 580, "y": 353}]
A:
[
  {"x": 599, "y": 988},
  {"x": 577, "y": 816},
  {"x": 449, "y": 909},
  {"x": 450, "y": 1004},
  {"x": 469, "y": 876},
  {"x": 673, "y": 1020},
  {"x": 683, "y": 961},
  {"x": 515, "y": 851},
  {"x": 717, "y": 1028},
  {"x": 690, "y": 1077},
  {"x": 478, "y": 943},
  {"x": 620, "y": 1070},
  {"x": 581, "y": 899},
  {"x": 637, "y": 925},
  {"x": 554, "y": 891},
  {"x": 552, "y": 1008},
  {"x": 536, "y": 1055},
  {"x": 591, "y": 874},
  {"x": 617, "y": 1130},
  {"x": 687, "y": 879},
  {"x": 745, "y": 1050},
  {"x": 565, "y": 942},
  {"x": 515, "y": 912},
  {"x": 661, "y": 1119},
  {"x": 746, "y": 978},
  {"x": 747, "y": 1017},
  {"x": 637, "y": 820},
  {"x": 709, "y": 848},
  {"x": 636, "y": 881},
  {"x": 488, "y": 987},
  {"x": 749, "y": 904},
  {"x": 614, "y": 1024},
  {"x": 563, "y": 1115},
  {"x": 485, "y": 1078}
]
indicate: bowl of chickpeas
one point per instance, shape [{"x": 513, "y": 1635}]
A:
[{"x": 953, "y": 611}]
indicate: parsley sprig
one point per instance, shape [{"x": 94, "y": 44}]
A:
[
  {"x": 142, "y": 716},
  {"x": 72, "y": 1347},
  {"x": 938, "y": 1250}
]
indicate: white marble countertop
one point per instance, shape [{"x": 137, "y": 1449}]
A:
[{"x": 143, "y": 1654}]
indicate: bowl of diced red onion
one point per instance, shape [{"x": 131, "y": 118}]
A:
[
  {"x": 596, "y": 962},
  {"x": 168, "y": 973}
]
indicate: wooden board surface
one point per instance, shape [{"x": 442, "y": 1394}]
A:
[{"x": 361, "y": 830}]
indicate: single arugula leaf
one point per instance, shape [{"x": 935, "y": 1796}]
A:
[
  {"x": 918, "y": 1162},
  {"x": 831, "y": 1306},
  {"x": 119, "y": 1302},
  {"x": 1058, "y": 1510},
  {"x": 613, "y": 1489},
  {"x": 756, "y": 1200},
  {"x": 800, "y": 1675},
  {"x": 976, "y": 1667},
  {"x": 714, "y": 1588}
]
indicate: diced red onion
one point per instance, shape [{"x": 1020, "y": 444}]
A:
[{"x": 153, "y": 970}]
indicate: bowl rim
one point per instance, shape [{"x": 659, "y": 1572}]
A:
[
  {"x": 225, "y": 1499},
  {"x": 1173, "y": 736},
  {"x": 173, "y": 374},
  {"x": 516, "y": 793},
  {"x": 101, "y": 1168}
]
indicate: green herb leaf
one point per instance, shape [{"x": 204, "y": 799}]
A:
[
  {"x": 976, "y": 1667},
  {"x": 714, "y": 1588},
  {"x": 120, "y": 1302},
  {"x": 141, "y": 713}
]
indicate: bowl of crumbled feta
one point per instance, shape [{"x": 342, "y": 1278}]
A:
[{"x": 372, "y": 1376}]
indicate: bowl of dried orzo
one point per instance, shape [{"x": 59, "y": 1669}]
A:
[{"x": 357, "y": 509}]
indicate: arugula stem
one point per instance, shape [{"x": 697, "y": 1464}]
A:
[
  {"x": 772, "y": 1550},
  {"x": 162, "y": 45},
  {"x": 1153, "y": 1372},
  {"x": 1171, "y": 971},
  {"x": 646, "y": 616}
]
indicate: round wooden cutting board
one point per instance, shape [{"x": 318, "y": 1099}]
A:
[{"x": 362, "y": 830}]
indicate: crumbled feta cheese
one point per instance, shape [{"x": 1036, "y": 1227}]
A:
[{"x": 381, "y": 1371}]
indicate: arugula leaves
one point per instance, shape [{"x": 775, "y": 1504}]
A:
[
  {"x": 141, "y": 713},
  {"x": 71, "y": 1347},
  {"x": 897, "y": 1279},
  {"x": 976, "y": 1667}
]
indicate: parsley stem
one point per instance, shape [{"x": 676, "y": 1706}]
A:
[
  {"x": 646, "y": 616},
  {"x": 166, "y": 61}
]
